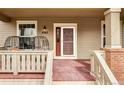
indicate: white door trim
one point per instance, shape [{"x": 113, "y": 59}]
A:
[{"x": 72, "y": 25}]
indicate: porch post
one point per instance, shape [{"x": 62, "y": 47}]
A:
[{"x": 112, "y": 21}]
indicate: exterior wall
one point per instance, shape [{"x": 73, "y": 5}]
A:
[
  {"x": 88, "y": 32},
  {"x": 6, "y": 29},
  {"x": 115, "y": 60}
]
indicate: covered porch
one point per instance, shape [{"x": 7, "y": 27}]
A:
[{"x": 72, "y": 35}]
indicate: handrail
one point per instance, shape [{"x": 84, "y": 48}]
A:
[{"x": 101, "y": 70}]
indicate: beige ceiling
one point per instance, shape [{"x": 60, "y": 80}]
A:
[{"x": 52, "y": 12}]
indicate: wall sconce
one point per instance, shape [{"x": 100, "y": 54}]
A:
[{"x": 44, "y": 30}]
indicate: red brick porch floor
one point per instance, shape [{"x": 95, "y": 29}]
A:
[{"x": 63, "y": 70}]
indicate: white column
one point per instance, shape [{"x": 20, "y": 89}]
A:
[{"x": 113, "y": 32}]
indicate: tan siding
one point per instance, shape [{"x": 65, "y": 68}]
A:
[
  {"x": 6, "y": 29},
  {"x": 88, "y": 32},
  {"x": 88, "y": 37}
]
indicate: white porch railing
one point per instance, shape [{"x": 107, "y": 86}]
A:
[
  {"x": 27, "y": 61},
  {"x": 100, "y": 69}
]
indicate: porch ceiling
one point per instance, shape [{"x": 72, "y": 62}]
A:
[{"x": 52, "y": 12}]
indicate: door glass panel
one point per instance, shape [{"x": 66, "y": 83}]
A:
[
  {"x": 68, "y": 41},
  {"x": 58, "y": 41}
]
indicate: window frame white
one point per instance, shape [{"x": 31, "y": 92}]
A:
[
  {"x": 102, "y": 35},
  {"x": 26, "y": 22}
]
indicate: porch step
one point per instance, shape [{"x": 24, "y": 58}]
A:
[
  {"x": 22, "y": 76},
  {"x": 73, "y": 82},
  {"x": 21, "y": 81}
]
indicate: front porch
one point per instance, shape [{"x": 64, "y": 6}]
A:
[
  {"x": 44, "y": 46},
  {"x": 38, "y": 67}
]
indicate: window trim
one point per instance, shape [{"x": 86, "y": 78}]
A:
[
  {"x": 102, "y": 35},
  {"x": 26, "y": 22}
]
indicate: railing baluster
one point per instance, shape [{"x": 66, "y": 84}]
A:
[
  {"x": 14, "y": 64},
  {"x": 43, "y": 62},
  {"x": 23, "y": 62},
  {"x": 18, "y": 62},
  {"x": 3, "y": 62},
  {"x": 33, "y": 62},
  {"x": 8, "y": 62},
  {"x": 28, "y": 63},
  {"x": 38, "y": 62}
]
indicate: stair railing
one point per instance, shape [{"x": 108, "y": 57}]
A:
[{"x": 100, "y": 69}]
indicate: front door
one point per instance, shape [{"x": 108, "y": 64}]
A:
[{"x": 65, "y": 42}]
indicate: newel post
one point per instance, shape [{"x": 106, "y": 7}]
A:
[
  {"x": 49, "y": 67},
  {"x": 92, "y": 64}
]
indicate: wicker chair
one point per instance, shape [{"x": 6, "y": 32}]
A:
[
  {"x": 41, "y": 42},
  {"x": 11, "y": 42}
]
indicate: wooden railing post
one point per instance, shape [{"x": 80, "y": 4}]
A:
[
  {"x": 48, "y": 72},
  {"x": 92, "y": 64}
]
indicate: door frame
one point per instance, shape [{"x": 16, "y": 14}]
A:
[{"x": 73, "y": 25}]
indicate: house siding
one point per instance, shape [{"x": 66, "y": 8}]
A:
[
  {"x": 6, "y": 29},
  {"x": 88, "y": 32}
]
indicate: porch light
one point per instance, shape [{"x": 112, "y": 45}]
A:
[{"x": 44, "y": 30}]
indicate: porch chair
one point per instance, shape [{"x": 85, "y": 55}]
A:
[
  {"x": 11, "y": 42},
  {"x": 41, "y": 42}
]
